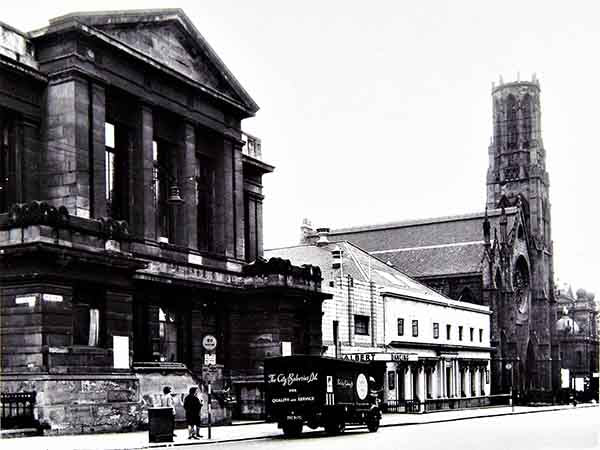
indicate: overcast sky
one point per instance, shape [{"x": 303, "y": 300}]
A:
[{"x": 381, "y": 111}]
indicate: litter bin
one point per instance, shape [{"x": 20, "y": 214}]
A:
[{"x": 160, "y": 424}]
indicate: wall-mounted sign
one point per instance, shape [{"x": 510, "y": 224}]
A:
[
  {"x": 121, "y": 352},
  {"x": 209, "y": 342},
  {"x": 52, "y": 298},
  {"x": 210, "y": 359},
  {"x": 388, "y": 357},
  {"x": 26, "y": 300}
]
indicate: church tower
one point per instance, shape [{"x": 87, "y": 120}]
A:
[
  {"x": 517, "y": 177},
  {"x": 517, "y": 159}
]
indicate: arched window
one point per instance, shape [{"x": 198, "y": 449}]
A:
[
  {"x": 526, "y": 115},
  {"x": 498, "y": 124},
  {"x": 511, "y": 121},
  {"x": 498, "y": 279},
  {"x": 521, "y": 275}
]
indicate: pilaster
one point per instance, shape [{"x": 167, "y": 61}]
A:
[
  {"x": 238, "y": 200},
  {"x": 98, "y": 159}
]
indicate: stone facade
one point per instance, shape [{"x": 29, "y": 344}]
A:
[{"x": 131, "y": 225}]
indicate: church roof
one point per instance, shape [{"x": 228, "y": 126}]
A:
[
  {"x": 167, "y": 39},
  {"x": 441, "y": 246},
  {"x": 357, "y": 263}
]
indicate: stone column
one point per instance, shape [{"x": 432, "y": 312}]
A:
[
  {"x": 187, "y": 214},
  {"x": 408, "y": 383},
  {"x": 442, "y": 378},
  {"x": 421, "y": 387},
  {"x": 468, "y": 379},
  {"x": 98, "y": 185},
  {"x": 143, "y": 214}
]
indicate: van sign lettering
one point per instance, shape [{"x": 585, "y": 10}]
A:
[{"x": 291, "y": 378}]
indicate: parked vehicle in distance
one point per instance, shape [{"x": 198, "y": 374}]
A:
[{"x": 319, "y": 392}]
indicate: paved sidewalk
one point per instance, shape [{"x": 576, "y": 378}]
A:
[{"x": 253, "y": 430}]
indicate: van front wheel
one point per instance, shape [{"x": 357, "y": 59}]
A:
[{"x": 373, "y": 424}]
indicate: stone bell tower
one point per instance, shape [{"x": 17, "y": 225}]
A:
[{"x": 517, "y": 177}]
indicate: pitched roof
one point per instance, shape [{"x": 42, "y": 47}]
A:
[
  {"x": 429, "y": 247},
  {"x": 357, "y": 263},
  {"x": 190, "y": 48}
]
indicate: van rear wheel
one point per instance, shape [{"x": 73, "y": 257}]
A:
[{"x": 292, "y": 429}]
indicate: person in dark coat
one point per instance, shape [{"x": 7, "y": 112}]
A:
[{"x": 192, "y": 405}]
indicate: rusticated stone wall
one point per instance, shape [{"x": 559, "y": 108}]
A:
[{"x": 83, "y": 404}]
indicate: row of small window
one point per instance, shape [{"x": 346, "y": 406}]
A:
[{"x": 436, "y": 331}]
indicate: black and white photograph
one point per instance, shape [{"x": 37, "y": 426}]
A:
[{"x": 281, "y": 225}]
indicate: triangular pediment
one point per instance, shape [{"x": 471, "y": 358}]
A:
[{"x": 168, "y": 37}]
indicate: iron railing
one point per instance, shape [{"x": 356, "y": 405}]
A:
[{"x": 18, "y": 410}]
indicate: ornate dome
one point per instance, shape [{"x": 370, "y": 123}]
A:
[
  {"x": 581, "y": 293},
  {"x": 591, "y": 296},
  {"x": 567, "y": 325}
]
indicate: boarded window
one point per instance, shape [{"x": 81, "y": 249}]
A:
[{"x": 415, "y": 328}]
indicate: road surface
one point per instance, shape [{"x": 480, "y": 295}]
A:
[{"x": 569, "y": 430}]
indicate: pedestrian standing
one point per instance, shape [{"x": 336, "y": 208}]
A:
[
  {"x": 192, "y": 405},
  {"x": 168, "y": 402}
]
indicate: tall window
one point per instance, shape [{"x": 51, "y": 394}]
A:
[
  {"x": 116, "y": 145},
  {"x": 471, "y": 333},
  {"x": 6, "y": 165},
  {"x": 436, "y": 330},
  {"x": 460, "y": 333},
  {"x": 206, "y": 199},
  {"x": 162, "y": 180},
  {"x": 167, "y": 333},
  {"x": 473, "y": 383},
  {"x": 88, "y": 321},
  {"x": 361, "y": 325},
  {"x": 400, "y": 327},
  {"x": 448, "y": 328},
  {"x": 415, "y": 328},
  {"x": 481, "y": 335}
]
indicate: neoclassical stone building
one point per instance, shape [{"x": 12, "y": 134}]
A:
[
  {"x": 502, "y": 257},
  {"x": 131, "y": 224},
  {"x": 577, "y": 330}
]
